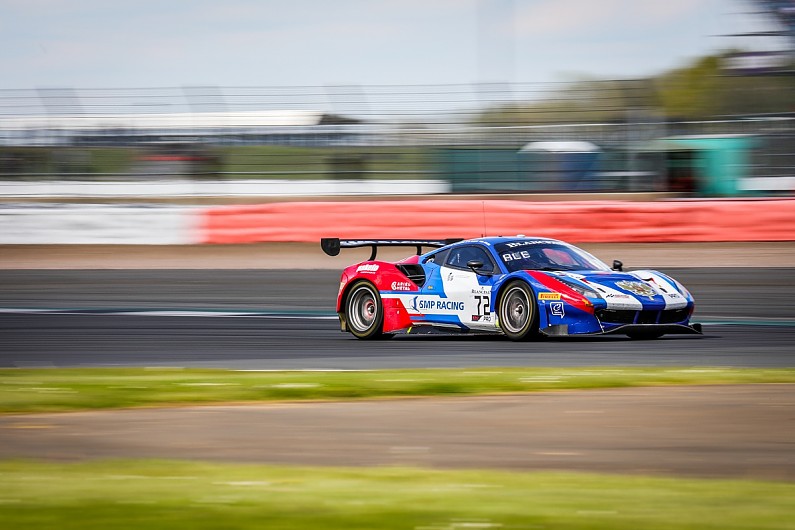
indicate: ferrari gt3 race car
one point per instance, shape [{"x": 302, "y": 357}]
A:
[{"x": 522, "y": 287}]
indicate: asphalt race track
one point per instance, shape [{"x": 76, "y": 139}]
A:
[
  {"x": 268, "y": 319},
  {"x": 271, "y": 320}
]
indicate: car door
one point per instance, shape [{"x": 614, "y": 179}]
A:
[
  {"x": 433, "y": 305},
  {"x": 470, "y": 292}
]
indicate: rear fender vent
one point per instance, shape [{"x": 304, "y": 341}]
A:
[{"x": 415, "y": 273}]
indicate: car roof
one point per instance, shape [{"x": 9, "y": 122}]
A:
[
  {"x": 495, "y": 240},
  {"x": 491, "y": 241}
]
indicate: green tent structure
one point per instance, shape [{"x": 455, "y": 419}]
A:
[{"x": 706, "y": 165}]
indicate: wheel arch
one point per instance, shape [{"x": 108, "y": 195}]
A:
[
  {"x": 342, "y": 300},
  {"x": 344, "y": 297},
  {"x": 499, "y": 288}
]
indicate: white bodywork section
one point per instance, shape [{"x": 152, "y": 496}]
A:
[
  {"x": 673, "y": 298},
  {"x": 462, "y": 297}
]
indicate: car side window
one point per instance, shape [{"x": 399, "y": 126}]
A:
[
  {"x": 460, "y": 256},
  {"x": 438, "y": 258}
]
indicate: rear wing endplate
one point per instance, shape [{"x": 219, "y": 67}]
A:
[{"x": 332, "y": 245}]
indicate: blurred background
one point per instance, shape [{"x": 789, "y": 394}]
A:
[{"x": 718, "y": 124}]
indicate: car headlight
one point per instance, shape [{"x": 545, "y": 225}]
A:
[
  {"x": 584, "y": 291},
  {"x": 682, "y": 290}
]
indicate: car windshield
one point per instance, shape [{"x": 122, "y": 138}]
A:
[{"x": 534, "y": 254}]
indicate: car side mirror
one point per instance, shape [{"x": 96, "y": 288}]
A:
[
  {"x": 475, "y": 265},
  {"x": 617, "y": 265}
]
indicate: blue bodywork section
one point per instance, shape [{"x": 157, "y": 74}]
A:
[{"x": 569, "y": 300}]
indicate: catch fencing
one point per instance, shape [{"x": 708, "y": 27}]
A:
[{"x": 554, "y": 137}]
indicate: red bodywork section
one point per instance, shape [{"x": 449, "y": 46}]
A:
[
  {"x": 386, "y": 277},
  {"x": 567, "y": 294},
  {"x": 395, "y": 315},
  {"x": 411, "y": 260}
]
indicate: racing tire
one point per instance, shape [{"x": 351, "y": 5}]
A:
[
  {"x": 364, "y": 311},
  {"x": 517, "y": 312},
  {"x": 644, "y": 335}
]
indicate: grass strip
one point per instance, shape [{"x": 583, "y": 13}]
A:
[
  {"x": 53, "y": 390},
  {"x": 134, "y": 494}
]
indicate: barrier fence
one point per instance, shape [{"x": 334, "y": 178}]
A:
[
  {"x": 307, "y": 222},
  {"x": 585, "y": 221}
]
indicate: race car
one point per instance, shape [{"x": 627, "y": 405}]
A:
[{"x": 522, "y": 287}]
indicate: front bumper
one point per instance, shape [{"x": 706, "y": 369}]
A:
[{"x": 562, "y": 330}]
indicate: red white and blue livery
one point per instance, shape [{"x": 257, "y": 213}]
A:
[{"x": 521, "y": 287}]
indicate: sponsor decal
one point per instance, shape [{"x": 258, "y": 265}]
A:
[
  {"x": 638, "y": 288},
  {"x": 368, "y": 267},
  {"x": 513, "y": 256},
  {"x": 437, "y": 305},
  {"x": 402, "y": 286},
  {"x": 618, "y": 295},
  {"x": 484, "y": 308},
  {"x": 557, "y": 309},
  {"x": 515, "y": 244},
  {"x": 549, "y": 296},
  {"x": 414, "y": 304}
]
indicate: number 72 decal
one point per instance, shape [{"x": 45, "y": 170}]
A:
[{"x": 483, "y": 309}]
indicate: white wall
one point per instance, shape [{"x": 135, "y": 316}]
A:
[{"x": 98, "y": 225}]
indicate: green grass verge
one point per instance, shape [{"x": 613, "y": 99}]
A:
[
  {"x": 123, "y": 494},
  {"x": 45, "y": 390}
]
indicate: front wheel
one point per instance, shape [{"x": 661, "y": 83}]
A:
[
  {"x": 364, "y": 311},
  {"x": 517, "y": 312}
]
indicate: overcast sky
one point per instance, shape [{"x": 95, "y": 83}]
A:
[{"x": 165, "y": 43}]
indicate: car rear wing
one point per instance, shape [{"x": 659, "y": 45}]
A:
[{"x": 332, "y": 245}]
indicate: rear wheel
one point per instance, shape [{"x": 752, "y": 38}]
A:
[
  {"x": 517, "y": 312},
  {"x": 364, "y": 311}
]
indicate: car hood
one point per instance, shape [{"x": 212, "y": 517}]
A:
[{"x": 630, "y": 290}]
